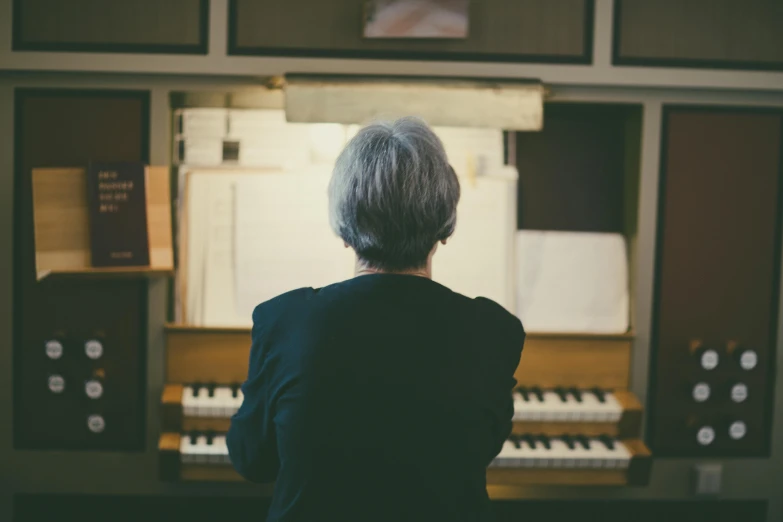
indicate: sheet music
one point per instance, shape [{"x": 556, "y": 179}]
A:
[
  {"x": 572, "y": 282},
  {"x": 283, "y": 238},
  {"x": 478, "y": 260},
  {"x": 209, "y": 287},
  {"x": 268, "y": 140}
]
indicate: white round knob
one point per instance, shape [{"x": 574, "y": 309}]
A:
[
  {"x": 93, "y": 389},
  {"x": 748, "y": 360},
  {"x": 739, "y": 392},
  {"x": 93, "y": 348},
  {"x": 54, "y": 349},
  {"x": 709, "y": 359},
  {"x": 56, "y": 383},
  {"x": 737, "y": 430},
  {"x": 705, "y": 436},
  {"x": 96, "y": 424},
  {"x": 701, "y": 392}
]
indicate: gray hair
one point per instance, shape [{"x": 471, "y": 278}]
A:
[{"x": 393, "y": 194}]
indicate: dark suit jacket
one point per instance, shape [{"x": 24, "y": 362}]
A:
[{"x": 383, "y": 397}]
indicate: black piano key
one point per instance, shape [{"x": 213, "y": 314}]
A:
[
  {"x": 196, "y": 387},
  {"x": 234, "y": 390},
  {"x": 583, "y": 441},
  {"x": 562, "y": 393},
  {"x": 538, "y": 393},
  {"x": 515, "y": 441},
  {"x": 568, "y": 441},
  {"x": 211, "y": 389},
  {"x": 530, "y": 441},
  {"x": 607, "y": 441},
  {"x": 524, "y": 393},
  {"x": 576, "y": 393},
  {"x": 599, "y": 394},
  {"x": 545, "y": 441},
  {"x": 193, "y": 437},
  {"x": 210, "y": 437}
]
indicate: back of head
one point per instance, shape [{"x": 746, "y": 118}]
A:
[{"x": 393, "y": 194}]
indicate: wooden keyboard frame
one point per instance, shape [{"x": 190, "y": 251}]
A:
[
  {"x": 637, "y": 473},
  {"x": 196, "y": 354}
]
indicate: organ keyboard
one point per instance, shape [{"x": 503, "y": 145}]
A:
[{"x": 575, "y": 422}]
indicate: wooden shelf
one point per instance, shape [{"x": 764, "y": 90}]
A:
[{"x": 62, "y": 226}]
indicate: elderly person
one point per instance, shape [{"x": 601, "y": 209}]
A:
[{"x": 383, "y": 397}]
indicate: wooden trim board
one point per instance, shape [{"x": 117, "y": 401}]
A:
[{"x": 548, "y": 360}]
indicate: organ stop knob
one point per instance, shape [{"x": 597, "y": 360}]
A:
[
  {"x": 739, "y": 392},
  {"x": 56, "y": 383},
  {"x": 93, "y": 388},
  {"x": 708, "y": 358},
  {"x": 745, "y": 357},
  {"x": 54, "y": 349},
  {"x": 701, "y": 392},
  {"x": 737, "y": 430},
  {"x": 93, "y": 349},
  {"x": 96, "y": 423},
  {"x": 705, "y": 436}
]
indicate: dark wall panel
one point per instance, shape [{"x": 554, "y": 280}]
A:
[
  {"x": 64, "y": 129},
  {"x": 499, "y": 30},
  {"x": 700, "y": 33},
  {"x": 717, "y": 278},
  {"x": 170, "y": 26},
  {"x": 573, "y": 174}
]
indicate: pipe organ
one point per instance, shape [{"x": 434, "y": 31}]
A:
[{"x": 563, "y": 180}]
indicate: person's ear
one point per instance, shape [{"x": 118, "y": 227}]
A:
[
  {"x": 346, "y": 245},
  {"x": 443, "y": 241}
]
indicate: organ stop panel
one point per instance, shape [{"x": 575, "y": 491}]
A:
[
  {"x": 79, "y": 344},
  {"x": 715, "y": 314}
]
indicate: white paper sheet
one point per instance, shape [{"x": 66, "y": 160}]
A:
[
  {"x": 478, "y": 260},
  {"x": 203, "y": 122},
  {"x": 268, "y": 140},
  {"x": 573, "y": 282},
  {"x": 282, "y": 236},
  {"x": 201, "y": 151}
]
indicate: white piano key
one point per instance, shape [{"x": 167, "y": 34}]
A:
[
  {"x": 202, "y": 402},
  {"x": 185, "y": 450},
  {"x": 188, "y": 401},
  {"x": 223, "y": 402},
  {"x": 201, "y": 450}
]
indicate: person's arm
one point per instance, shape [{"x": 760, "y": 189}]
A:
[
  {"x": 251, "y": 439},
  {"x": 507, "y": 339}
]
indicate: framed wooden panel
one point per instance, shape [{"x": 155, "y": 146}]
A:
[
  {"x": 61, "y": 128},
  {"x": 717, "y": 278},
  {"x": 723, "y": 34},
  {"x": 574, "y": 175},
  {"x": 500, "y": 31},
  {"x": 140, "y": 26}
]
